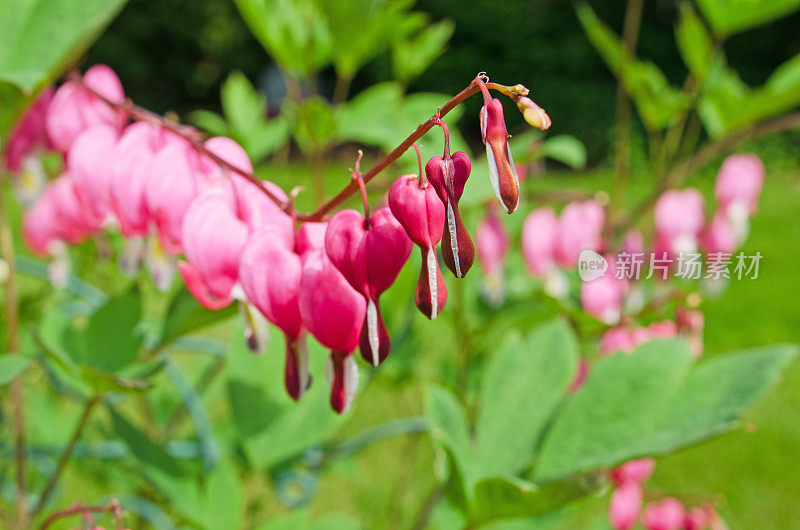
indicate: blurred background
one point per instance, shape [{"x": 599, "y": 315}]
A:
[{"x": 172, "y": 58}]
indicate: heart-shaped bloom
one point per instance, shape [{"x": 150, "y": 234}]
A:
[
  {"x": 448, "y": 177},
  {"x": 310, "y": 237},
  {"x": 270, "y": 275},
  {"x": 132, "y": 167},
  {"x": 29, "y": 135},
  {"x": 90, "y": 162},
  {"x": 334, "y": 313},
  {"x": 603, "y": 297},
  {"x": 638, "y": 470},
  {"x": 502, "y": 171},
  {"x": 666, "y": 514},
  {"x": 213, "y": 241},
  {"x": 679, "y": 220},
  {"x": 719, "y": 236},
  {"x": 40, "y": 224},
  {"x": 580, "y": 227},
  {"x": 739, "y": 183},
  {"x": 421, "y": 213},
  {"x": 539, "y": 238},
  {"x": 625, "y": 504},
  {"x": 492, "y": 242},
  {"x": 74, "y": 109},
  {"x": 370, "y": 255}
]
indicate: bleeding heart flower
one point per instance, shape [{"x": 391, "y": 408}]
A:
[
  {"x": 492, "y": 243},
  {"x": 502, "y": 171},
  {"x": 580, "y": 227},
  {"x": 213, "y": 241},
  {"x": 417, "y": 208},
  {"x": 310, "y": 237},
  {"x": 603, "y": 297},
  {"x": 679, "y": 219},
  {"x": 73, "y": 109},
  {"x": 634, "y": 470},
  {"x": 40, "y": 224},
  {"x": 720, "y": 236},
  {"x": 666, "y": 514},
  {"x": 539, "y": 237},
  {"x": 449, "y": 176},
  {"x": 739, "y": 183},
  {"x": 625, "y": 504},
  {"x": 270, "y": 275},
  {"x": 369, "y": 254},
  {"x": 132, "y": 167},
  {"x": 90, "y": 160},
  {"x": 29, "y": 135},
  {"x": 334, "y": 313}
]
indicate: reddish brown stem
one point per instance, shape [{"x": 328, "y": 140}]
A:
[
  {"x": 195, "y": 138},
  {"x": 363, "y": 188},
  {"x": 112, "y": 507}
]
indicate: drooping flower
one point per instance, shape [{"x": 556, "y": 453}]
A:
[
  {"x": 29, "y": 135},
  {"x": 603, "y": 297},
  {"x": 539, "y": 238},
  {"x": 492, "y": 242},
  {"x": 448, "y": 176},
  {"x": 739, "y": 184},
  {"x": 638, "y": 470},
  {"x": 666, "y": 514},
  {"x": 417, "y": 208},
  {"x": 310, "y": 237},
  {"x": 73, "y": 109},
  {"x": 502, "y": 172},
  {"x": 90, "y": 162},
  {"x": 625, "y": 504},
  {"x": 679, "y": 219},
  {"x": 533, "y": 113},
  {"x": 334, "y": 313},
  {"x": 580, "y": 227},
  {"x": 213, "y": 239},
  {"x": 370, "y": 254},
  {"x": 270, "y": 275}
]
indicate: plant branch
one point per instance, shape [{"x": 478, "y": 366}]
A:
[
  {"x": 195, "y": 138},
  {"x": 112, "y": 507},
  {"x": 66, "y": 455},
  {"x": 12, "y": 347}
]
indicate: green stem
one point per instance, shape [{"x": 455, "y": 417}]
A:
[
  {"x": 66, "y": 455},
  {"x": 391, "y": 428},
  {"x": 12, "y": 347}
]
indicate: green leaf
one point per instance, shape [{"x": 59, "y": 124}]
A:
[
  {"x": 274, "y": 428},
  {"x": 293, "y": 32},
  {"x": 522, "y": 385},
  {"x": 197, "y": 411},
  {"x": 694, "y": 43},
  {"x": 654, "y": 401},
  {"x": 413, "y": 55},
  {"x": 110, "y": 339},
  {"x": 102, "y": 381},
  {"x": 732, "y": 16},
  {"x": 185, "y": 315},
  {"x": 243, "y": 106},
  {"x": 144, "y": 448},
  {"x": 510, "y": 497},
  {"x": 39, "y": 39},
  {"x": 449, "y": 430},
  {"x": 222, "y": 500},
  {"x": 211, "y": 122},
  {"x": 566, "y": 149},
  {"x": 11, "y": 366}
]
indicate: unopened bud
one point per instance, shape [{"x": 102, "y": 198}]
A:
[{"x": 533, "y": 113}]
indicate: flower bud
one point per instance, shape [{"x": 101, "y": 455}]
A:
[
  {"x": 502, "y": 172},
  {"x": 667, "y": 514},
  {"x": 533, "y": 113},
  {"x": 623, "y": 509},
  {"x": 448, "y": 178}
]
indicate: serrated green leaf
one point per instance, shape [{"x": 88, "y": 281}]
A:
[
  {"x": 654, "y": 401},
  {"x": 522, "y": 385}
]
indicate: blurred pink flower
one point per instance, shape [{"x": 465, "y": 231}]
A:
[{"x": 580, "y": 227}]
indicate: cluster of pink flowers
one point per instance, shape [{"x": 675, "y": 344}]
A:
[
  {"x": 625, "y": 507},
  {"x": 169, "y": 198}
]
